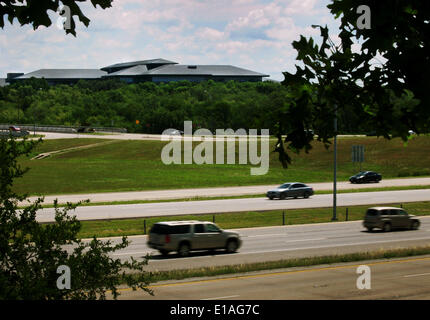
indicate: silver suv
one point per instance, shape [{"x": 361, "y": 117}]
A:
[
  {"x": 388, "y": 218},
  {"x": 184, "y": 236}
]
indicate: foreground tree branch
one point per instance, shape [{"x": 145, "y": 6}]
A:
[{"x": 30, "y": 253}]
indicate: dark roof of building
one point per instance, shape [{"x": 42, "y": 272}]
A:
[
  {"x": 213, "y": 70},
  {"x": 189, "y": 70},
  {"x": 133, "y": 71},
  {"x": 136, "y": 63},
  {"x": 64, "y": 74}
]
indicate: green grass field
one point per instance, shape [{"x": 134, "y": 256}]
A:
[{"x": 137, "y": 165}]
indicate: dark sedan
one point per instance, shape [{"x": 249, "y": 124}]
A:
[
  {"x": 292, "y": 189},
  {"x": 365, "y": 176}
]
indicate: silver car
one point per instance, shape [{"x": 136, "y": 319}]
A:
[
  {"x": 291, "y": 189},
  {"x": 184, "y": 236}
]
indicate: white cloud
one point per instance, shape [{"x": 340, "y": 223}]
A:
[
  {"x": 210, "y": 34},
  {"x": 302, "y": 7}
]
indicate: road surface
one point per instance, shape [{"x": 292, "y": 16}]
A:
[
  {"x": 236, "y": 205},
  {"x": 284, "y": 242},
  {"x": 131, "y": 136},
  {"x": 407, "y": 278},
  {"x": 222, "y": 192}
]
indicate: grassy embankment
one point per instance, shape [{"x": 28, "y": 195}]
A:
[
  {"x": 137, "y": 165},
  {"x": 288, "y": 263}
]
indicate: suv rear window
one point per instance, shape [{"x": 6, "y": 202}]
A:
[
  {"x": 372, "y": 212},
  {"x": 165, "y": 229}
]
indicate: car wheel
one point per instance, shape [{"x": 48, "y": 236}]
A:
[
  {"x": 387, "y": 227},
  {"x": 164, "y": 252},
  {"x": 271, "y": 198},
  {"x": 184, "y": 250},
  {"x": 415, "y": 225},
  {"x": 370, "y": 229},
  {"x": 306, "y": 195},
  {"x": 231, "y": 246}
]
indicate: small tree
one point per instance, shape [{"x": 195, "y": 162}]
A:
[{"x": 31, "y": 253}]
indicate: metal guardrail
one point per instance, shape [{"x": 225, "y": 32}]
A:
[
  {"x": 63, "y": 129},
  {"x": 6, "y": 133}
]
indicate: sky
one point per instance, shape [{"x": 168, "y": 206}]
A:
[{"x": 252, "y": 34}]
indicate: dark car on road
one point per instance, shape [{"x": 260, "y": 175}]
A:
[
  {"x": 365, "y": 176},
  {"x": 292, "y": 190},
  {"x": 14, "y": 129},
  {"x": 389, "y": 218},
  {"x": 15, "y": 132}
]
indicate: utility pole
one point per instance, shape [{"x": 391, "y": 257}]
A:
[{"x": 334, "y": 218}]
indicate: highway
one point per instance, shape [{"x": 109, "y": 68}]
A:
[
  {"x": 127, "y": 136},
  {"x": 235, "y": 205},
  {"x": 223, "y": 191},
  {"x": 284, "y": 242},
  {"x": 137, "y": 136},
  {"x": 407, "y": 278}
]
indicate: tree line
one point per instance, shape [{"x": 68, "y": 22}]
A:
[{"x": 151, "y": 108}]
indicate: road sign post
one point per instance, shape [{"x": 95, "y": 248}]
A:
[
  {"x": 334, "y": 218},
  {"x": 358, "y": 154}
]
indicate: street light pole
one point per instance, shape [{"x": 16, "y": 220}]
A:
[{"x": 334, "y": 218}]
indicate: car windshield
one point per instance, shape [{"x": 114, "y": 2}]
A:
[
  {"x": 284, "y": 186},
  {"x": 212, "y": 228}
]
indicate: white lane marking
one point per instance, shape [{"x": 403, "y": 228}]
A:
[
  {"x": 333, "y": 246},
  {"x": 299, "y": 240},
  {"x": 266, "y": 235},
  {"x": 416, "y": 275},
  {"x": 149, "y": 252},
  {"x": 291, "y": 249},
  {"x": 218, "y": 298}
]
